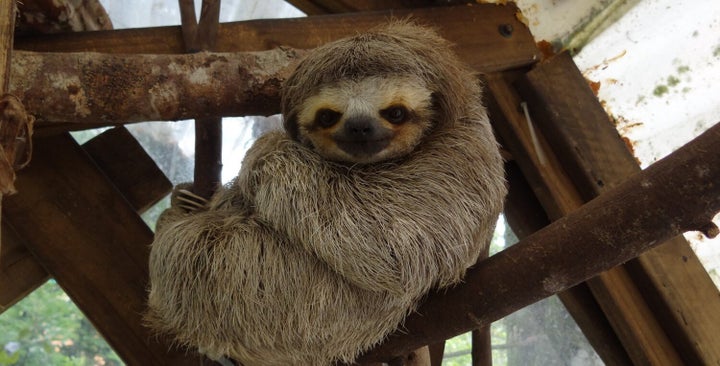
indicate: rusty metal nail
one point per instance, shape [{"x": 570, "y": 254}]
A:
[{"x": 506, "y": 30}]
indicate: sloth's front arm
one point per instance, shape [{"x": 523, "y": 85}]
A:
[{"x": 396, "y": 229}]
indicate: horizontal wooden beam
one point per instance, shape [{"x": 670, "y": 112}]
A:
[
  {"x": 104, "y": 89},
  {"x": 678, "y": 193},
  {"x": 74, "y": 91},
  {"x": 316, "y": 7},
  {"x": 474, "y": 29}
]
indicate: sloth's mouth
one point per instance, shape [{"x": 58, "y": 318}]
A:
[{"x": 363, "y": 148}]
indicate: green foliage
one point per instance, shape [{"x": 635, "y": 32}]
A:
[
  {"x": 457, "y": 351},
  {"x": 48, "y": 329}
]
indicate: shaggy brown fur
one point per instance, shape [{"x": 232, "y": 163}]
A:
[{"x": 306, "y": 261}]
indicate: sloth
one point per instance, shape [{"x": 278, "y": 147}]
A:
[{"x": 385, "y": 183}]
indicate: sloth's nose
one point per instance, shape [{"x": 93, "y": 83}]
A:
[{"x": 359, "y": 128}]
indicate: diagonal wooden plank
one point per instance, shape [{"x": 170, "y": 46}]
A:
[
  {"x": 663, "y": 300},
  {"x": 20, "y": 272},
  {"x": 133, "y": 173},
  {"x": 574, "y": 248},
  {"x": 92, "y": 242},
  {"x": 538, "y": 183}
]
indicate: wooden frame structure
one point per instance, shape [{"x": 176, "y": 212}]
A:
[{"x": 659, "y": 308}]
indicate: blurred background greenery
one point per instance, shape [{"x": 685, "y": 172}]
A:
[{"x": 46, "y": 328}]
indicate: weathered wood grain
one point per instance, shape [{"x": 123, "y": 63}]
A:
[
  {"x": 576, "y": 247},
  {"x": 89, "y": 238},
  {"x": 106, "y": 89},
  {"x": 470, "y": 27},
  {"x": 685, "y": 303},
  {"x": 20, "y": 272},
  {"x": 133, "y": 173},
  {"x": 130, "y": 169},
  {"x": 538, "y": 185}
]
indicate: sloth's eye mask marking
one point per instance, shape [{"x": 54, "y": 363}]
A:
[{"x": 367, "y": 120}]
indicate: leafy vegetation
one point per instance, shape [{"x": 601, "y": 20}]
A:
[{"x": 46, "y": 328}]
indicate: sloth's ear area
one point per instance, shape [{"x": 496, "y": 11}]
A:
[
  {"x": 436, "y": 102},
  {"x": 290, "y": 123}
]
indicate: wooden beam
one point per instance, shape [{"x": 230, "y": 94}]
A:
[
  {"x": 100, "y": 89},
  {"x": 20, "y": 272},
  {"x": 471, "y": 28},
  {"x": 319, "y": 7},
  {"x": 7, "y": 27},
  {"x": 537, "y": 186},
  {"x": 133, "y": 173},
  {"x": 676, "y": 194},
  {"x": 98, "y": 255},
  {"x": 208, "y": 131},
  {"x": 104, "y": 89},
  {"x": 437, "y": 351},
  {"x": 684, "y": 311},
  {"x": 558, "y": 195}
]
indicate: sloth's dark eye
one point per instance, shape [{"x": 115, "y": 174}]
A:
[
  {"x": 395, "y": 114},
  {"x": 326, "y": 118}
]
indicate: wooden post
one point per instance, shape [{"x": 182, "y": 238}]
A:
[
  {"x": 208, "y": 131},
  {"x": 7, "y": 25}
]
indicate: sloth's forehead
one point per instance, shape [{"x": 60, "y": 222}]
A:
[{"x": 371, "y": 93}]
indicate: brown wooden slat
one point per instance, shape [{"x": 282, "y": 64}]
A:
[
  {"x": 92, "y": 242},
  {"x": 687, "y": 307},
  {"x": 125, "y": 162},
  {"x": 437, "y": 351},
  {"x": 574, "y": 248},
  {"x": 133, "y": 172},
  {"x": 543, "y": 176},
  {"x": 595, "y": 156},
  {"x": 20, "y": 273},
  {"x": 7, "y": 27},
  {"x": 319, "y": 7},
  {"x": 576, "y": 126},
  {"x": 558, "y": 195},
  {"x": 471, "y": 28}
]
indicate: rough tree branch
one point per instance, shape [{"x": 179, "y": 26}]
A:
[
  {"x": 678, "y": 193},
  {"x": 97, "y": 89}
]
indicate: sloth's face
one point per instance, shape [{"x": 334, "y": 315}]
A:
[{"x": 366, "y": 121}]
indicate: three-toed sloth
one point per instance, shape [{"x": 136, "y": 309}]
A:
[{"x": 386, "y": 183}]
